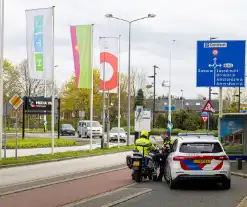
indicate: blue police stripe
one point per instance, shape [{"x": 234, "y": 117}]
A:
[{"x": 191, "y": 165}]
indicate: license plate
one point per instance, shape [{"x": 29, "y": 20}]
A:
[
  {"x": 136, "y": 163},
  {"x": 202, "y": 161}
]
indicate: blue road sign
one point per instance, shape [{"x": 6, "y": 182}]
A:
[
  {"x": 173, "y": 108},
  {"x": 220, "y": 63},
  {"x": 204, "y": 114}
]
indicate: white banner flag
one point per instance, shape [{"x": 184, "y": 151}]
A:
[
  {"x": 109, "y": 64},
  {"x": 39, "y": 42}
]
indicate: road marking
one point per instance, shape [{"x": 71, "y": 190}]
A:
[
  {"x": 122, "y": 200},
  {"x": 243, "y": 203},
  {"x": 57, "y": 182},
  {"x": 98, "y": 196}
]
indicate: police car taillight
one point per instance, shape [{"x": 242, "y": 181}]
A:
[
  {"x": 224, "y": 157},
  {"x": 179, "y": 158}
]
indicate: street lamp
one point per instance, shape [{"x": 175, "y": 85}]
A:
[
  {"x": 182, "y": 99},
  {"x": 129, "y": 22},
  {"x": 169, "y": 125}
]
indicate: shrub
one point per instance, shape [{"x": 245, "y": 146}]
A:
[
  {"x": 39, "y": 143},
  {"x": 62, "y": 155}
]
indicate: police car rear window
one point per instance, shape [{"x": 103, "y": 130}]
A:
[{"x": 213, "y": 147}]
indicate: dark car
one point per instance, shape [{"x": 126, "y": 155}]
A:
[{"x": 67, "y": 129}]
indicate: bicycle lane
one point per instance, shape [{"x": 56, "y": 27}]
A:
[{"x": 69, "y": 192}]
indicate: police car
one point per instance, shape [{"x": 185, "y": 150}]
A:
[{"x": 197, "y": 157}]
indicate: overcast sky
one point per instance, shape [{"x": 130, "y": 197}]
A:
[{"x": 186, "y": 21}]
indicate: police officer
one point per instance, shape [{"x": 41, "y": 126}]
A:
[
  {"x": 163, "y": 156},
  {"x": 166, "y": 139},
  {"x": 144, "y": 141}
]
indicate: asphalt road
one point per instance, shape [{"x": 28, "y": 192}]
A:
[{"x": 190, "y": 196}]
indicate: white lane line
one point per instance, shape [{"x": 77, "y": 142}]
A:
[
  {"x": 243, "y": 203},
  {"x": 61, "y": 181},
  {"x": 127, "y": 198},
  {"x": 98, "y": 196}
]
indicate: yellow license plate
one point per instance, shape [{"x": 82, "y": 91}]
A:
[
  {"x": 202, "y": 161},
  {"x": 136, "y": 163}
]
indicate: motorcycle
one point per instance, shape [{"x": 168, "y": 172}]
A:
[{"x": 142, "y": 165}]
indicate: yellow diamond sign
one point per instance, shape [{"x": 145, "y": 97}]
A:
[{"x": 15, "y": 102}]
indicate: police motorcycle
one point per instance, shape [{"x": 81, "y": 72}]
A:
[{"x": 143, "y": 166}]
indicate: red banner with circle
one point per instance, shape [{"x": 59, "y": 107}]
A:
[{"x": 111, "y": 59}]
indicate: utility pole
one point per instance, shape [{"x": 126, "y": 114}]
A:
[
  {"x": 239, "y": 100},
  {"x": 154, "y": 77},
  {"x": 210, "y": 89}
]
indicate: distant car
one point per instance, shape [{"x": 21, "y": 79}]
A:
[
  {"x": 114, "y": 134},
  {"x": 197, "y": 157},
  {"x": 84, "y": 129},
  {"x": 67, "y": 129}
]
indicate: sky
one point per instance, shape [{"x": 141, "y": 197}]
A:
[{"x": 180, "y": 20}]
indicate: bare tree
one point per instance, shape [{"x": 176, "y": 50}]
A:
[
  {"x": 231, "y": 94},
  {"x": 29, "y": 87},
  {"x": 139, "y": 81}
]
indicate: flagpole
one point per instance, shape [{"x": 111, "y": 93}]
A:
[
  {"x": 91, "y": 92},
  {"x": 53, "y": 94},
  {"x": 119, "y": 114},
  {"x": 1, "y": 75}
]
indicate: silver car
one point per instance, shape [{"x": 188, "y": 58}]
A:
[{"x": 114, "y": 134}]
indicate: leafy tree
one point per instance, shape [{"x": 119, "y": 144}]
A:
[
  {"x": 139, "y": 99},
  {"x": 10, "y": 81},
  {"x": 78, "y": 99}
]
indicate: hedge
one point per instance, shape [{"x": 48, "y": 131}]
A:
[
  {"x": 39, "y": 143},
  {"x": 63, "y": 155},
  {"x": 158, "y": 131},
  {"x": 234, "y": 149}
]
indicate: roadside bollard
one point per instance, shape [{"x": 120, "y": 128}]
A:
[{"x": 239, "y": 163}]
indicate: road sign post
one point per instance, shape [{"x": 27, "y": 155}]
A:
[
  {"x": 16, "y": 102},
  {"x": 221, "y": 63}
]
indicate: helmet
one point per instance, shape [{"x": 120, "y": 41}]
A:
[{"x": 144, "y": 134}]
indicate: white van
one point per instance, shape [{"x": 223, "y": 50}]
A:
[{"x": 83, "y": 129}]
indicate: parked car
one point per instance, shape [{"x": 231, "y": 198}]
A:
[
  {"x": 83, "y": 129},
  {"x": 114, "y": 134},
  {"x": 67, "y": 129},
  {"x": 197, "y": 157}
]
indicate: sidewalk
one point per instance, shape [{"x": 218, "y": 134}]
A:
[
  {"x": 234, "y": 168},
  {"x": 23, "y": 174},
  {"x": 35, "y": 151}
]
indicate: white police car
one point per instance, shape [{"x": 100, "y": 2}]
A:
[{"x": 197, "y": 157}]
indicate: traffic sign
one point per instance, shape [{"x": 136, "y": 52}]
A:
[
  {"x": 204, "y": 119},
  {"x": 220, "y": 63},
  {"x": 204, "y": 114},
  {"x": 208, "y": 107},
  {"x": 15, "y": 102},
  {"x": 173, "y": 108}
]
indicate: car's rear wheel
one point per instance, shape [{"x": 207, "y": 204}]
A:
[
  {"x": 166, "y": 176},
  {"x": 173, "y": 185},
  {"x": 226, "y": 184}
]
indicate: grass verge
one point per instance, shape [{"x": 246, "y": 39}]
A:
[
  {"x": 62, "y": 155},
  {"x": 39, "y": 143}
]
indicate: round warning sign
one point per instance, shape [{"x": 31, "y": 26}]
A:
[{"x": 215, "y": 52}]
